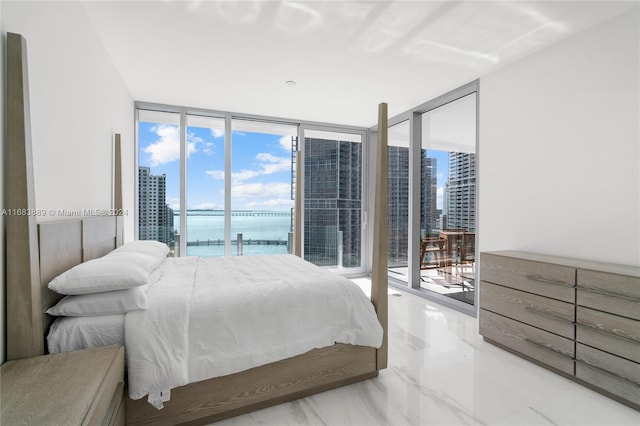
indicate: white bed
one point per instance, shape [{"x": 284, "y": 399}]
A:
[{"x": 210, "y": 317}]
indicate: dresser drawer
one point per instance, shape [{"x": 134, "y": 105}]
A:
[
  {"x": 618, "y": 294},
  {"x": 611, "y": 333},
  {"x": 613, "y": 374},
  {"x": 549, "y": 314},
  {"x": 547, "y": 348},
  {"x": 555, "y": 281}
]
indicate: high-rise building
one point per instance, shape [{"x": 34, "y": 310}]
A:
[
  {"x": 155, "y": 217},
  {"x": 332, "y": 202},
  {"x": 429, "y": 195},
  {"x": 461, "y": 192},
  {"x": 398, "y": 202}
]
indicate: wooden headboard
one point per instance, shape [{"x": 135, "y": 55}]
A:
[{"x": 65, "y": 244}]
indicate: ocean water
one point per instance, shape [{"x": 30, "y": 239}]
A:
[{"x": 208, "y": 226}]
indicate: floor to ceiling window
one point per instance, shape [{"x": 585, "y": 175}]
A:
[
  {"x": 205, "y": 193},
  {"x": 216, "y": 184},
  {"x": 261, "y": 182},
  {"x": 158, "y": 176}
]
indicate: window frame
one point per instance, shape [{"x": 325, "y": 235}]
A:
[{"x": 229, "y": 117}]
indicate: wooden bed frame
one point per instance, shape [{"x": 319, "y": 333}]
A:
[{"x": 36, "y": 253}]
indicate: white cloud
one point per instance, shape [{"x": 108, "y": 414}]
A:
[
  {"x": 267, "y": 164},
  {"x": 217, "y": 133},
  {"x": 216, "y": 174},
  {"x": 244, "y": 175},
  {"x": 277, "y": 190},
  {"x": 208, "y": 206},
  {"x": 285, "y": 143},
  {"x": 271, "y": 203},
  {"x": 167, "y": 148},
  {"x": 272, "y": 164},
  {"x": 209, "y": 148}
]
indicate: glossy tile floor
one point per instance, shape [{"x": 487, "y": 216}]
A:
[{"x": 441, "y": 372}]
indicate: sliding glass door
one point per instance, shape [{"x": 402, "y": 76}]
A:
[
  {"x": 432, "y": 199},
  {"x": 448, "y": 204}
]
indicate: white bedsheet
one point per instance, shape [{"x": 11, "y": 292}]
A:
[
  {"x": 75, "y": 333},
  {"x": 216, "y": 316}
]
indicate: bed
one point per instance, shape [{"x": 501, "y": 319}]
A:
[{"x": 40, "y": 252}]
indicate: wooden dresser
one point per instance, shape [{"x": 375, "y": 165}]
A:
[
  {"x": 73, "y": 388},
  {"x": 578, "y": 318}
]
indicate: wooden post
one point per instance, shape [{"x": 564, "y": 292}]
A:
[
  {"x": 117, "y": 189},
  {"x": 25, "y": 337},
  {"x": 117, "y": 174},
  {"x": 297, "y": 224},
  {"x": 379, "y": 272}
]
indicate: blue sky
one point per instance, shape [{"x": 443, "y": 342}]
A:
[{"x": 261, "y": 167}]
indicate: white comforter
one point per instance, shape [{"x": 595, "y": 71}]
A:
[{"x": 216, "y": 316}]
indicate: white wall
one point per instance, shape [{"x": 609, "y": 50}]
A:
[
  {"x": 78, "y": 101},
  {"x": 559, "y": 148}
]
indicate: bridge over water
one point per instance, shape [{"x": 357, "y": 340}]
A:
[
  {"x": 235, "y": 242},
  {"x": 236, "y": 213}
]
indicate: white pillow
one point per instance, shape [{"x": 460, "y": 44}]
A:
[
  {"x": 108, "y": 273},
  {"x": 149, "y": 254},
  {"x": 145, "y": 261},
  {"x": 108, "y": 303},
  {"x": 150, "y": 247}
]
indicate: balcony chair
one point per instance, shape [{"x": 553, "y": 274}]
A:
[
  {"x": 468, "y": 248},
  {"x": 433, "y": 253}
]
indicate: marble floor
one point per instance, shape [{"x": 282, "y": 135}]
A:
[{"x": 441, "y": 372}]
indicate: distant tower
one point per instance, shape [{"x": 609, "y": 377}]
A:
[
  {"x": 428, "y": 194},
  {"x": 155, "y": 218},
  {"x": 332, "y": 202},
  {"x": 461, "y": 192},
  {"x": 398, "y": 201}
]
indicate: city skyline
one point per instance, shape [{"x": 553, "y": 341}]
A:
[{"x": 261, "y": 167}]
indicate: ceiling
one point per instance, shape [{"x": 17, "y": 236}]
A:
[{"x": 345, "y": 56}]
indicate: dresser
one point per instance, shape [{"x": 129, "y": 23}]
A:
[
  {"x": 578, "y": 318},
  {"x": 74, "y": 388}
]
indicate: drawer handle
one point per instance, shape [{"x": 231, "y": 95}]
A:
[
  {"x": 546, "y": 347},
  {"x": 548, "y": 314},
  {"x": 608, "y": 293},
  {"x": 602, "y": 370},
  {"x": 605, "y": 332},
  {"x": 549, "y": 281}
]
